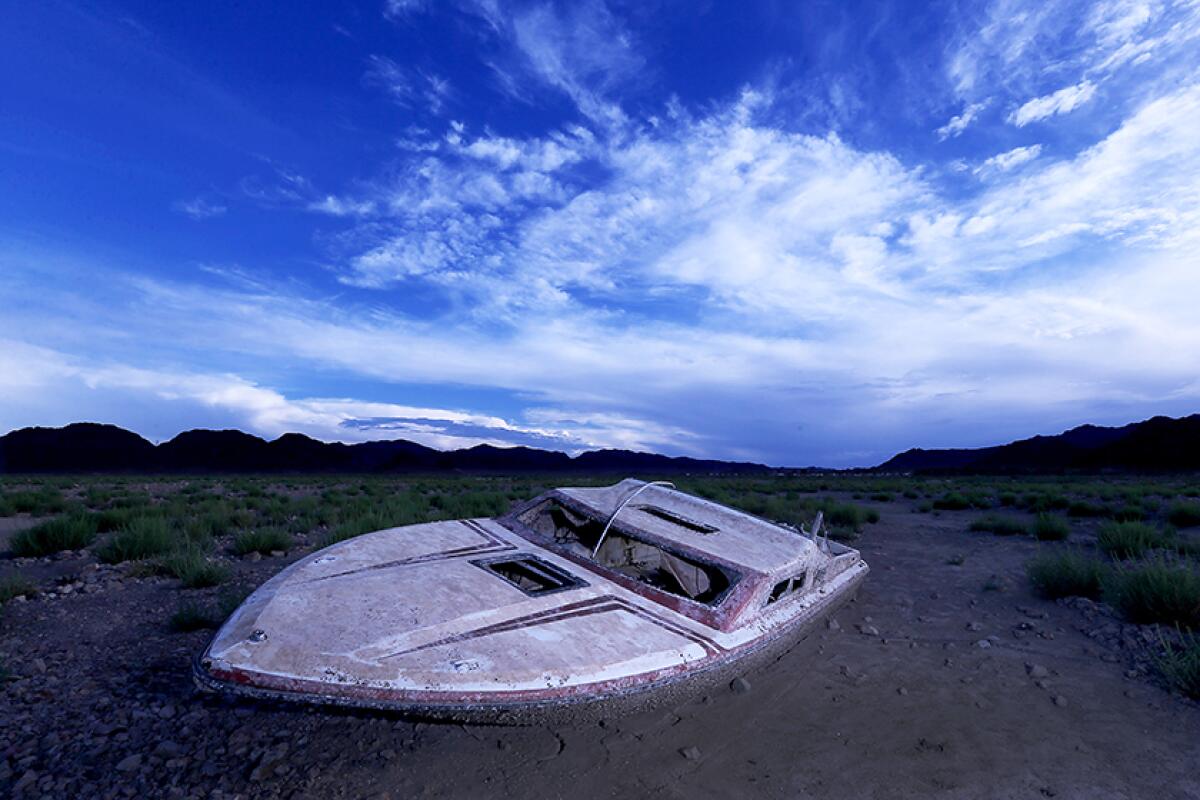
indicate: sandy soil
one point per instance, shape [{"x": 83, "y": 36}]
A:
[{"x": 941, "y": 680}]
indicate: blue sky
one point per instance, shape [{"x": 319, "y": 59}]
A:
[{"x": 809, "y": 233}]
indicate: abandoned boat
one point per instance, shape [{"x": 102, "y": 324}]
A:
[{"x": 604, "y": 598}]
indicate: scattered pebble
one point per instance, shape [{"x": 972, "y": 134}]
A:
[
  {"x": 739, "y": 685},
  {"x": 1060, "y": 701},
  {"x": 129, "y": 763},
  {"x": 1037, "y": 671},
  {"x": 832, "y": 624},
  {"x": 690, "y": 753}
]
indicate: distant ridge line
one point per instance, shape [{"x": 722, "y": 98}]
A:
[
  {"x": 1159, "y": 444},
  {"x": 95, "y": 447}
]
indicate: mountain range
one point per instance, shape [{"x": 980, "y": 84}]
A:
[
  {"x": 92, "y": 447},
  {"x": 1158, "y": 444}
]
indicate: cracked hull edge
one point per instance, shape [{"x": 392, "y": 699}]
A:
[{"x": 579, "y": 703}]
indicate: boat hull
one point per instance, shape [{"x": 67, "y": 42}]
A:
[{"x": 600, "y": 700}]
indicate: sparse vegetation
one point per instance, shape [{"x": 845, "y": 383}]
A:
[
  {"x": 1002, "y": 526},
  {"x": 71, "y": 532},
  {"x": 12, "y": 586},
  {"x": 1066, "y": 573},
  {"x": 952, "y": 501},
  {"x": 1181, "y": 667},
  {"x": 1129, "y": 539},
  {"x": 142, "y": 537},
  {"x": 1051, "y": 528},
  {"x": 1157, "y": 591},
  {"x": 1184, "y": 515},
  {"x": 193, "y": 568},
  {"x": 191, "y": 616},
  {"x": 262, "y": 540}
]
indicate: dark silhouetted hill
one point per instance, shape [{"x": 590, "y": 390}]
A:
[
  {"x": 89, "y": 447},
  {"x": 1158, "y": 444}
]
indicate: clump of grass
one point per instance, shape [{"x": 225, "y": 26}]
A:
[
  {"x": 1129, "y": 539},
  {"x": 1066, "y": 573},
  {"x": 924, "y": 507},
  {"x": 1002, "y": 526},
  {"x": 883, "y": 497},
  {"x": 261, "y": 540},
  {"x": 1184, "y": 515},
  {"x": 1158, "y": 591},
  {"x": 956, "y": 560},
  {"x": 142, "y": 537},
  {"x": 1181, "y": 667},
  {"x": 1007, "y": 498},
  {"x": 1129, "y": 513},
  {"x": 70, "y": 532},
  {"x": 12, "y": 586},
  {"x": 1082, "y": 508},
  {"x": 952, "y": 501},
  {"x": 911, "y": 494},
  {"x": 192, "y": 616},
  {"x": 193, "y": 568},
  {"x": 1051, "y": 528},
  {"x": 37, "y": 502}
]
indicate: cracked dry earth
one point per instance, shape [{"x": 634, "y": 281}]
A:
[{"x": 941, "y": 680}]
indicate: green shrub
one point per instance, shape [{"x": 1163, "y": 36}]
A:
[
  {"x": 193, "y": 568},
  {"x": 38, "y": 502},
  {"x": 192, "y": 617},
  {"x": 1181, "y": 667},
  {"x": 261, "y": 540},
  {"x": 111, "y": 519},
  {"x": 15, "y": 586},
  {"x": 882, "y": 497},
  {"x": 1184, "y": 515},
  {"x": 1051, "y": 528},
  {"x": 924, "y": 507},
  {"x": 1082, "y": 508},
  {"x": 1066, "y": 573},
  {"x": 1002, "y": 526},
  {"x": 1158, "y": 591},
  {"x": 911, "y": 494},
  {"x": 1128, "y": 539},
  {"x": 1129, "y": 513},
  {"x": 142, "y": 537},
  {"x": 1007, "y": 499},
  {"x": 952, "y": 501},
  {"x": 71, "y": 532}
]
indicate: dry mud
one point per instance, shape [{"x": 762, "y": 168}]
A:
[{"x": 941, "y": 680}]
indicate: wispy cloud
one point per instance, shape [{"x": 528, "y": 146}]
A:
[
  {"x": 199, "y": 208},
  {"x": 1063, "y": 101},
  {"x": 1010, "y": 159},
  {"x": 408, "y": 86},
  {"x": 958, "y": 124}
]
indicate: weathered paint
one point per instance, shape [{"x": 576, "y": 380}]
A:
[{"x": 406, "y": 618}]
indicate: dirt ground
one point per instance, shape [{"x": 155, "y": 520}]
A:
[{"x": 942, "y": 680}]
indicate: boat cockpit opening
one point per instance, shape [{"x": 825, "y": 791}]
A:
[{"x": 644, "y": 562}]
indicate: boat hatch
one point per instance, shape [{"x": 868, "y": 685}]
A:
[
  {"x": 530, "y": 574},
  {"x": 678, "y": 519},
  {"x": 644, "y": 562}
]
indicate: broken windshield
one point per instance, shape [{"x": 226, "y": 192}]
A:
[{"x": 642, "y": 561}]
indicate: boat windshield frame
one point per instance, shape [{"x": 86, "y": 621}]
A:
[{"x": 720, "y": 612}]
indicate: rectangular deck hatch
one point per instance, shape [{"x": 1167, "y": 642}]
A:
[{"x": 530, "y": 574}]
